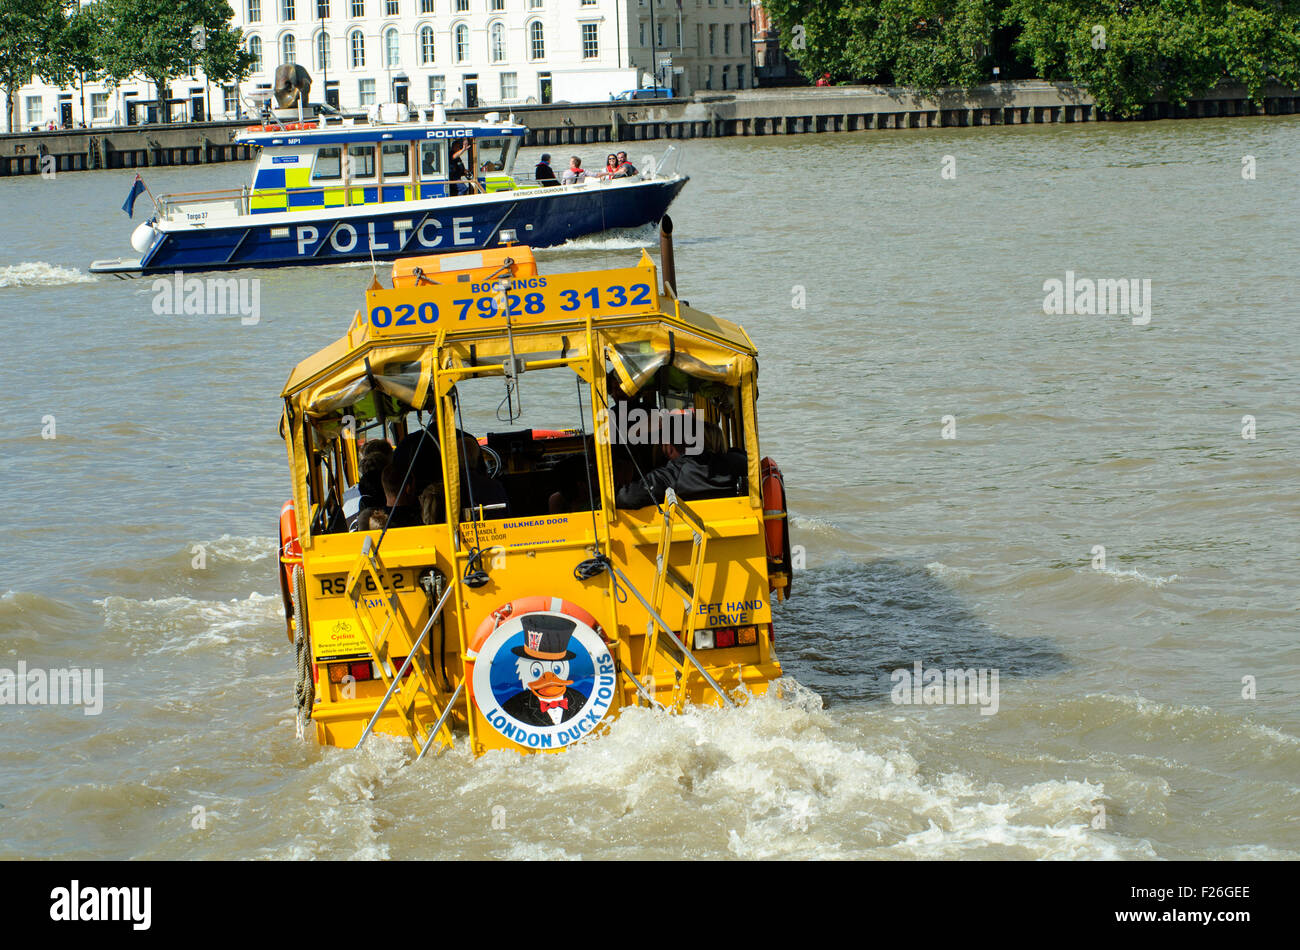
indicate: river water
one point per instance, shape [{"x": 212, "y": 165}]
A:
[{"x": 1147, "y": 707}]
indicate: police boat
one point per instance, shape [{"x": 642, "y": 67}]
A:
[
  {"x": 519, "y": 587},
  {"x": 331, "y": 189}
]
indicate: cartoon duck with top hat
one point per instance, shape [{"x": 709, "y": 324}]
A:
[{"x": 548, "y": 697}]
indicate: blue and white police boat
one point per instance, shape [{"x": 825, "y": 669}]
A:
[{"x": 333, "y": 189}]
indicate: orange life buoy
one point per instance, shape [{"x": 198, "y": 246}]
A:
[
  {"x": 290, "y": 554},
  {"x": 516, "y": 608},
  {"x": 776, "y": 522}
]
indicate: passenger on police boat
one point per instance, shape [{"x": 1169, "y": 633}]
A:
[{"x": 548, "y": 697}]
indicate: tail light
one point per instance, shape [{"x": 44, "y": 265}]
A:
[{"x": 725, "y": 637}]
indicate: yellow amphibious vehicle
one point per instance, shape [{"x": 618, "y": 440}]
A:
[{"x": 448, "y": 573}]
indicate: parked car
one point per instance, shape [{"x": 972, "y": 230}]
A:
[{"x": 650, "y": 92}]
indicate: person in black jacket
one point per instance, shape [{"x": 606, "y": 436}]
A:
[
  {"x": 543, "y": 173},
  {"x": 705, "y": 474}
]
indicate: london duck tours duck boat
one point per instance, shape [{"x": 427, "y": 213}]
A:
[{"x": 452, "y": 576}]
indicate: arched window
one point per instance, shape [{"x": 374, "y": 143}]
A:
[
  {"x": 426, "y": 45},
  {"x": 392, "y": 48},
  {"x": 460, "y": 44},
  {"x": 536, "y": 40},
  {"x": 323, "y": 51},
  {"x": 358, "y": 44},
  {"x": 497, "y": 42},
  {"x": 255, "y": 51},
  {"x": 288, "y": 49}
]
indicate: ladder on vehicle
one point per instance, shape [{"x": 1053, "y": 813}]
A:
[
  {"x": 376, "y": 610},
  {"x": 661, "y": 640}
]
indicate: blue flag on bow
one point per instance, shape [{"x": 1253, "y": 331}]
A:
[{"x": 137, "y": 189}]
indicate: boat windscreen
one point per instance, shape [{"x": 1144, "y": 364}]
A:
[
  {"x": 637, "y": 361},
  {"x": 497, "y": 154}
]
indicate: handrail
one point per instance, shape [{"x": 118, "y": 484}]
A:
[
  {"x": 397, "y": 679},
  {"x": 623, "y": 579}
]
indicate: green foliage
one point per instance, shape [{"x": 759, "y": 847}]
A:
[
  {"x": 1127, "y": 53},
  {"x": 28, "y": 33},
  {"x": 153, "y": 38}
]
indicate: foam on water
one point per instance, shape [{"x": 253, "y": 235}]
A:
[
  {"x": 184, "y": 624},
  {"x": 1134, "y": 574},
  {"x": 41, "y": 274}
]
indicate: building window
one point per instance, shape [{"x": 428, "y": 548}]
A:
[
  {"x": 323, "y": 51},
  {"x": 498, "y": 5},
  {"x": 33, "y": 104},
  {"x": 709, "y": 82},
  {"x": 288, "y": 50},
  {"x": 358, "y": 42},
  {"x": 392, "y": 48},
  {"x": 99, "y": 105},
  {"x": 588, "y": 3},
  {"x": 322, "y": 9},
  {"x": 426, "y": 6},
  {"x": 537, "y": 40},
  {"x": 358, "y": 9},
  {"x": 426, "y": 45},
  {"x": 392, "y": 7},
  {"x": 255, "y": 51},
  {"x": 286, "y": 11},
  {"x": 497, "y": 41},
  {"x": 462, "y": 6},
  {"x": 713, "y": 38},
  {"x": 590, "y": 41},
  {"x": 679, "y": 34},
  {"x": 725, "y": 70},
  {"x": 534, "y": 4},
  {"x": 366, "y": 93},
  {"x": 437, "y": 88},
  {"x": 229, "y": 98},
  {"x": 740, "y": 77},
  {"x": 659, "y": 33},
  {"x": 461, "y": 44},
  {"x": 509, "y": 85},
  {"x": 642, "y": 25},
  {"x": 726, "y": 40},
  {"x": 254, "y": 11}
]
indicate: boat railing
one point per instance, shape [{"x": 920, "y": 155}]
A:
[{"x": 168, "y": 204}]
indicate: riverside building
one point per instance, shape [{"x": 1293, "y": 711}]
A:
[{"x": 464, "y": 53}]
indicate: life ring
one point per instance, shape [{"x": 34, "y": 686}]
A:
[
  {"x": 290, "y": 555},
  {"x": 776, "y": 523},
  {"x": 516, "y": 608}
]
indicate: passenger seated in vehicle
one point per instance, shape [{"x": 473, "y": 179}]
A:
[
  {"x": 703, "y": 475},
  {"x": 374, "y": 457},
  {"x": 625, "y": 168},
  {"x": 403, "y": 511},
  {"x": 422, "y": 450},
  {"x": 477, "y": 488}
]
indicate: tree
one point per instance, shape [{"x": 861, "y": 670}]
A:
[
  {"x": 27, "y": 28},
  {"x": 153, "y": 38},
  {"x": 74, "y": 54}
]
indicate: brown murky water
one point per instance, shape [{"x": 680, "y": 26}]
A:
[{"x": 1121, "y": 728}]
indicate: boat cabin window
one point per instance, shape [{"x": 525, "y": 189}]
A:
[
  {"x": 329, "y": 164},
  {"x": 497, "y": 154},
  {"x": 394, "y": 157},
  {"x": 361, "y": 161},
  {"x": 431, "y": 159}
]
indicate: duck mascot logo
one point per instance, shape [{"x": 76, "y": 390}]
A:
[{"x": 544, "y": 679}]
